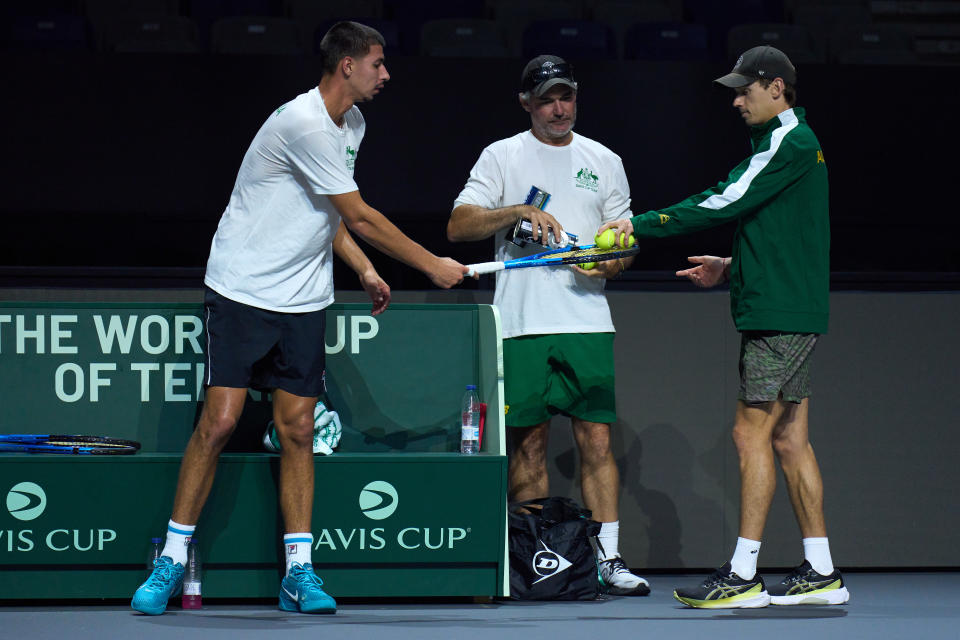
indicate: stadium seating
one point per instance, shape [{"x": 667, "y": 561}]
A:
[
  {"x": 515, "y": 15},
  {"x": 822, "y": 19},
  {"x": 665, "y": 41},
  {"x": 410, "y": 15},
  {"x": 872, "y": 44},
  {"x": 720, "y": 17},
  {"x": 793, "y": 40},
  {"x": 620, "y": 15},
  {"x": 206, "y": 12},
  {"x": 310, "y": 14},
  {"x": 467, "y": 38},
  {"x": 150, "y": 34},
  {"x": 575, "y": 39},
  {"x": 49, "y": 31},
  {"x": 256, "y": 35}
]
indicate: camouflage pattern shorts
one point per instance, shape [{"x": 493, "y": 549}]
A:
[{"x": 774, "y": 364}]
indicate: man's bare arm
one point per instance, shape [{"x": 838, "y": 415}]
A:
[
  {"x": 375, "y": 228},
  {"x": 471, "y": 222}
]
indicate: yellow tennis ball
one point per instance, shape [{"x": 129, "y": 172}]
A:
[
  {"x": 607, "y": 239},
  {"x": 632, "y": 240},
  {"x": 588, "y": 265}
]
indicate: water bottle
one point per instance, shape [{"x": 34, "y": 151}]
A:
[
  {"x": 191, "y": 577},
  {"x": 156, "y": 548},
  {"x": 470, "y": 421}
]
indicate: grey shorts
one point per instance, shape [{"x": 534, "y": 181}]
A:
[{"x": 775, "y": 365}]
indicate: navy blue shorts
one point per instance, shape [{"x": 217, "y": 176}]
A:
[{"x": 264, "y": 350}]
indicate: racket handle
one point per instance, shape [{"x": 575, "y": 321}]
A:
[{"x": 484, "y": 267}]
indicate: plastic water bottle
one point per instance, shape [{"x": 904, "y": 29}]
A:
[
  {"x": 191, "y": 577},
  {"x": 470, "y": 421},
  {"x": 156, "y": 548}
]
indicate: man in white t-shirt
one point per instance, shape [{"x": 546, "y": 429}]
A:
[
  {"x": 269, "y": 278},
  {"x": 558, "y": 334}
]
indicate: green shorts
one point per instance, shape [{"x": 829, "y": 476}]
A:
[
  {"x": 566, "y": 373},
  {"x": 774, "y": 364}
]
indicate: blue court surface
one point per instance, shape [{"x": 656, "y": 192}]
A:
[{"x": 910, "y": 606}]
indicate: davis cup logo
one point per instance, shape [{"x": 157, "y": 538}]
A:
[
  {"x": 378, "y": 500},
  {"x": 548, "y": 563},
  {"x": 26, "y": 501}
]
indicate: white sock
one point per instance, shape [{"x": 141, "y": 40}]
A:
[
  {"x": 744, "y": 561},
  {"x": 817, "y": 553},
  {"x": 298, "y": 547},
  {"x": 178, "y": 537},
  {"x": 608, "y": 539}
]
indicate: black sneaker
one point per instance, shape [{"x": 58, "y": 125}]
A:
[
  {"x": 805, "y": 586},
  {"x": 725, "y": 590}
]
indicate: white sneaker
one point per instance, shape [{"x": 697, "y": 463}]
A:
[{"x": 619, "y": 581}]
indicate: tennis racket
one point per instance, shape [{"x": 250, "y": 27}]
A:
[
  {"x": 567, "y": 255},
  {"x": 75, "y": 444}
]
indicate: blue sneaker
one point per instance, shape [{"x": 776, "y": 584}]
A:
[
  {"x": 165, "y": 582},
  {"x": 300, "y": 591}
]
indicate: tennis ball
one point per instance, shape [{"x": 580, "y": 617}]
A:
[
  {"x": 607, "y": 239},
  {"x": 632, "y": 240},
  {"x": 588, "y": 265}
]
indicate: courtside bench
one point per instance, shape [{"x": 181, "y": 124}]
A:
[{"x": 397, "y": 511}]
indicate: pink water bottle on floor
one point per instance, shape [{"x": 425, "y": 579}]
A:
[{"x": 191, "y": 577}]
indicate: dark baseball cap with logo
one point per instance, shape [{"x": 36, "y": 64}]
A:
[
  {"x": 544, "y": 72},
  {"x": 763, "y": 62}
]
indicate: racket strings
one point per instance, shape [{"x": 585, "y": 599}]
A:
[
  {"x": 87, "y": 444},
  {"x": 58, "y": 443},
  {"x": 589, "y": 252}
]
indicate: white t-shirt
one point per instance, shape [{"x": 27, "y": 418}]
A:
[
  {"x": 587, "y": 187},
  {"x": 273, "y": 246}
]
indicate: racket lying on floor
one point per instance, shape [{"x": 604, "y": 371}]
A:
[
  {"x": 567, "y": 255},
  {"x": 82, "y": 445}
]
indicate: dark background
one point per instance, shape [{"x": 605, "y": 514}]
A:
[{"x": 120, "y": 164}]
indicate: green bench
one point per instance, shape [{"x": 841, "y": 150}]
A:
[{"x": 397, "y": 512}]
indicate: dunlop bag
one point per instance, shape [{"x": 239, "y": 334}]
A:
[{"x": 550, "y": 553}]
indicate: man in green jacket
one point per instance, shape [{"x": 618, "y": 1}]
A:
[{"x": 779, "y": 288}]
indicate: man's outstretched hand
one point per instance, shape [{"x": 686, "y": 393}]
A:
[{"x": 710, "y": 271}]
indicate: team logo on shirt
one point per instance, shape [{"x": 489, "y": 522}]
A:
[
  {"x": 586, "y": 179},
  {"x": 820, "y": 157},
  {"x": 351, "y": 157}
]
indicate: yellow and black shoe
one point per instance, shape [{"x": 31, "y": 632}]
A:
[
  {"x": 725, "y": 590},
  {"x": 805, "y": 586}
]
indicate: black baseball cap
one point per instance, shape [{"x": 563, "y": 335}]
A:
[
  {"x": 544, "y": 72},
  {"x": 763, "y": 62}
]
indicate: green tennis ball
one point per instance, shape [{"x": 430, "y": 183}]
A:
[
  {"x": 607, "y": 239},
  {"x": 588, "y": 265},
  {"x": 632, "y": 240}
]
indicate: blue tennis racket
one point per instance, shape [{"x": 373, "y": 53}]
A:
[
  {"x": 68, "y": 444},
  {"x": 565, "y": 255}
]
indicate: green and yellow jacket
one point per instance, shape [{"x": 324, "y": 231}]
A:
[{"x": 780, "y": 272}]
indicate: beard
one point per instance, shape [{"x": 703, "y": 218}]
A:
[{"x": 554, "y": 130}]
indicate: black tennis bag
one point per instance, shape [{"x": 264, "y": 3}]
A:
[{"x": 550, "y": 553}]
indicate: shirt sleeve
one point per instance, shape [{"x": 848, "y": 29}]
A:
[
  {"x": 750, "y": 186},
  {"x": 616, "y": 203},
  {"x": 321, "y": 158},
  {"x": 484, "y": 187}
]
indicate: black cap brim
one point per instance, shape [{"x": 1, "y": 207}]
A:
[
  {"x": 543, "y": 87},
  {"x": 735, "y": 80}
]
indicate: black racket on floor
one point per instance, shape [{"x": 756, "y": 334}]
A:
[{"x": 69, "y": 444}]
